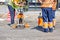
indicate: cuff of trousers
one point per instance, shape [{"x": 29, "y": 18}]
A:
[
  {"x": 45, "y": 25},
  {"x": 50, "y": 24}
]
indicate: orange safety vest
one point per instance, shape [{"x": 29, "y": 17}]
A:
[
  {"x": 54, "y": 4},
  {"x": 47, "y": 3}
]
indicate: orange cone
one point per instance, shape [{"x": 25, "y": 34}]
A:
[
  {"x": 27, "y": 25},
  {"x": 40, "y": 20}
]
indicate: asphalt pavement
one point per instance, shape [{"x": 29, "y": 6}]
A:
[{"x": 31, "y": 33}]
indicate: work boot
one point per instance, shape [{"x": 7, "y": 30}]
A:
[
  {"x": 9, "y": 24},
  {"x": 14, "y": 25},
  {"x": 53, "y": 27},
  {"x": 50, "y": 29},
  {"x": 45, "y": 30}
]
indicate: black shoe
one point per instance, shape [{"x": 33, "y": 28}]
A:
[
  {"x": 50, "y": 29},
  {"x": 9, "y": 24},
  {"x": 45, "y": 30},
  {"x": 54, "y": 27}
]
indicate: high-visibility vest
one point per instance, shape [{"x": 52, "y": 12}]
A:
[
  {"x": 46, "y": 3},
  {"x": 18, "y": 1},
  {"x": 13, "y": 3}
]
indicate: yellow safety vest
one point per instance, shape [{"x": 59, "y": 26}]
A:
[{"x": 46, "y": 3}]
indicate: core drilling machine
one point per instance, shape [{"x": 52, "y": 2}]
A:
[{"x": 20, "y": 18}]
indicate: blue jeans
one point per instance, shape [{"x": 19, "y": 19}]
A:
[
  {"x": 53, "y": 12},
  {"x": 47, "y": 14},
  {"x": 12, "y": 13}
]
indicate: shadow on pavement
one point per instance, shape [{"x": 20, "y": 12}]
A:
[{"x": 39, "y": 28}]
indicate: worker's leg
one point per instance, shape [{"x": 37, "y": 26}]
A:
[
  {"x": 45, "y": 22},
  {"x": 50, "y": 19},
  {"x": 12, "y": 13},
  {"x": 54, "y": 20}
]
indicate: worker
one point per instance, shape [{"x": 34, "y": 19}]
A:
[
  {"x": 12, "y": 4},
  {"x": 54, "y": 9},
  {"x": 46, "y": 6}
]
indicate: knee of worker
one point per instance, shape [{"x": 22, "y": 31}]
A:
[
  {"x": 50, "y": 18},
  {"x": 44, "y": 16},
  {"x": 44, "y": 19},
  {"x": 12, "y": 14}
]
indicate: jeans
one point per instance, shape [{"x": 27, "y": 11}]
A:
[
  {"x": 47, "y": 14},
  {"x": 12, "y": 13},
  {"x": 53, "y": 12}
]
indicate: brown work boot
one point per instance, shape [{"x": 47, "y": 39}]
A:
[{"x": 14, "y": 26}]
